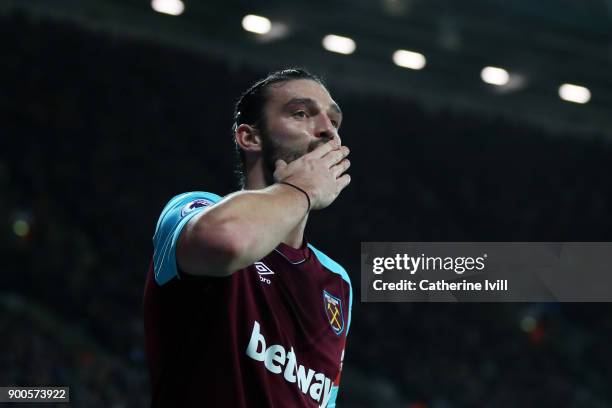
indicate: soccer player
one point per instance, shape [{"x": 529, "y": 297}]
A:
[{"x": 240, "y": 310}]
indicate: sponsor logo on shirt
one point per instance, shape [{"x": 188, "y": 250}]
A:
[
  {"x": 333, "y": 311},
  {"x": 193, "y": 205},
  {"x": 279, "y": 361}
]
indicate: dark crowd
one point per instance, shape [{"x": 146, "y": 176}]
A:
[{"x": 99, "y": 130}]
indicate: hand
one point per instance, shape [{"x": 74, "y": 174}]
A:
[{"x": 319, "y": 173}]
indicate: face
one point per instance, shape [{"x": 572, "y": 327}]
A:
[{"x": 300, "y": 115}]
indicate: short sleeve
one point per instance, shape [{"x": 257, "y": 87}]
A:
[{"x": 173, "y": 218}]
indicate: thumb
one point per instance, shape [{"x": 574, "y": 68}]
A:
[{"x": 280, "y": 164}]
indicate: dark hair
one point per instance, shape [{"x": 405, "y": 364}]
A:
[{"x": 250, "y": 107}]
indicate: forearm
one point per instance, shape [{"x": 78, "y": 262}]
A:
[{"x": 242, "y": 229}]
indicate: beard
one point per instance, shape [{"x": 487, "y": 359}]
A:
[{"x": 272, "y": 151}]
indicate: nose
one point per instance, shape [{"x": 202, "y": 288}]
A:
[{"x": 325, "y": 129}]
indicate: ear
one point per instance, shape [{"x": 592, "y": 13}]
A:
[{"x": 248, "y": 138}]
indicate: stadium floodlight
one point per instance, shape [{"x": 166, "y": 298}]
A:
[
  {"x": 495, "y": 76},
  {"x": 172, "y": 7},
  {"x": 409, "y": 59},
  {"x": 339, "y": 44},
  {"x": 574, "y": 93},
  {"x": 21, "y": 228},
  {"x": 256, "y": 24}
]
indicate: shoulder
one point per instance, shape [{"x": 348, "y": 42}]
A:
[
  {"x": 180, "y": 206},
  {"x": 188, "y": 202},
  {"x": 330, "y": 264},
  {"x": 335, "y": 267},
  {"x": 176, "y": 213}
]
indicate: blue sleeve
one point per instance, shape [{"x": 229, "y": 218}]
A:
[
  {"x": 173, "y": 218},
  {"x": 333, "y": 396}
]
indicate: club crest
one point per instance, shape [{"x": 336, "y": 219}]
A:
[{"x": 333, "y": 311}]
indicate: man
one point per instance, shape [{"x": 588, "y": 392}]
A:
[{"x": 240, "y": 311}]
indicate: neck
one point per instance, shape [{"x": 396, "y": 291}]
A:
[{"x": 256, "y": 180}]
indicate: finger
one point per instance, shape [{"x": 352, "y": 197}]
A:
[
  {"x": 340, "y": 168},
  {"x": 343, "y": 181},
  {"x": 325, "y": 148},
  {"x": 335, "y": 156}
]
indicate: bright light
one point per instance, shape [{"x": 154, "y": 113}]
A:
[
  {"x": 495, "y": 76},
  {"x": 409, "y": 59},
  {"x": 574, "y": 93},
  {"x": 256, "y": 24},
  {"x": 172, "y": 7},
  {"x": 339, "y": 44},
  {"x": 21, "y": 228}
]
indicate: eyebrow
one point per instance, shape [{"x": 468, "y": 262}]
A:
[{"x": 310, "y": 102}]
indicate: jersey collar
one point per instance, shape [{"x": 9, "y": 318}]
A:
[{"x": 294, "y": 256}]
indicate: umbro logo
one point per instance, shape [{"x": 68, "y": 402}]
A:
[{"x": 262, "y": 270}]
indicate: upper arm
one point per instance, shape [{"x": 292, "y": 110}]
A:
[{"x": 175, "y": 215}]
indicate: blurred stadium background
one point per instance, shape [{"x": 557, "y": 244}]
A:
[{"x": 109, "y": 108}]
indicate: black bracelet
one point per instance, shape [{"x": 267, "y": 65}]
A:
[{"x": 297, "y": 188}]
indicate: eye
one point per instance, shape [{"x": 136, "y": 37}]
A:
[
  {"x": 335, "y": 123},
  {"x": 300, "y": 114}
]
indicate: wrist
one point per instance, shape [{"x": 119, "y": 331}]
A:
[{"x": 301, "y": 190}]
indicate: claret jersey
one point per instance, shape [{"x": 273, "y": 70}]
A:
[{"x": 270, "y": 335}]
